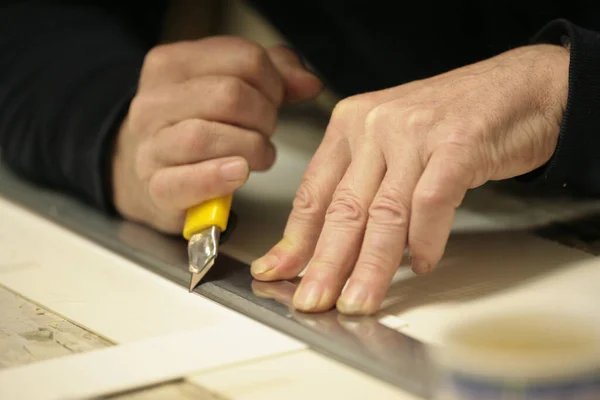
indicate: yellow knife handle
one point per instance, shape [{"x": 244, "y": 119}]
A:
[{"x": 209, "y": 213}]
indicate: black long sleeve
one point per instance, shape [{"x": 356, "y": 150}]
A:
[
  {"x": 575, "y": 165},
  {"x": 67, "y": 74},
  {"x": 68, "y": 70}
]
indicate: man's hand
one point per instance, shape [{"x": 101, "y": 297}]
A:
[
  {"x": 395, "y": 164},
  {"x": 200, "y": 122}
]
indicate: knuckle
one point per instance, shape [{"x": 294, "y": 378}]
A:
[
  {"x": 378, "y": 119},
  {"x": 231, "y": 93},
  {"x": 346, "y": 113},
  {"x": 388, "y": 210},
  {"x": 350, "y": 107},
  {"x": 393, "y": 115},
  {"x": 306, "y": 204},
  {"x": 194, "y": 136},
  {"x": 157, "y": 59},
  {"x": 346, "y": 107},
  {"x": 417, "y": 119},
  {"x": 431, "y": 198},
  {"x": 346, "y": 208},
  {"x": 142, "y": 106},
  {"x": 256, "y": 60}
]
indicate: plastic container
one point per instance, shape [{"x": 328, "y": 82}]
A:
[{"x": 519, "y": 355}]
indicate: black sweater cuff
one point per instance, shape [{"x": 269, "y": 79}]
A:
[
  {"x": 95, "y": 172},
  {"x": 65, "y": 88},
  {"x": 575, "y": 165}
]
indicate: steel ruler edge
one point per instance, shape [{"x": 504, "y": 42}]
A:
[{"x": 403, "y": 364}]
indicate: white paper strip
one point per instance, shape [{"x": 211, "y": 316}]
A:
[{"x": 142, "y": 363}]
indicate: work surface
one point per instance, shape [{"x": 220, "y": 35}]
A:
[{"x": 130, "y": 327}]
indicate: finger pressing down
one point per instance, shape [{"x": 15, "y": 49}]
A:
[
  {"x": 293, "y": 252},
  {"x": 385, "y": 236},
  {"x": 338, "y": 246}
]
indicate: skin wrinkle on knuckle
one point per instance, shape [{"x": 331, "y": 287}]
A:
[
  {"x": 306, "y": 205},
  {"x": 345, "y": 208},
  {"x": 387, "y": 212}
]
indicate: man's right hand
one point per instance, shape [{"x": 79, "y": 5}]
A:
[{"x": 200, "y": 122}]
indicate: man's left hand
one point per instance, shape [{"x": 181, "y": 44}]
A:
[{"x": 395, "y": 164}]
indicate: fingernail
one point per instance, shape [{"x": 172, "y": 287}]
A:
[
  {"x": 420, "y": 266},
  {"x": 264, "y": 264},
  {"x": 235, "y": 170},
  {"x": 354, "y": 300},
  {"x": 308, "y": 296}
]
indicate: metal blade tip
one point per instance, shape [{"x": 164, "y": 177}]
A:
[
  {"x": 202, "y": 251},
  {"x": 194, "y": 280}
]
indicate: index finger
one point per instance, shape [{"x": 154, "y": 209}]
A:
[
  {"x": 293, "y": 252},
  {"x": 182, "y": 61}
]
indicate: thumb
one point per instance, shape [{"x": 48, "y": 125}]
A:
[{"x": 300, "y": 83}]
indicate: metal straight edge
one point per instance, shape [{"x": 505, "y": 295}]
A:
[{"x": 359, "y": 342}]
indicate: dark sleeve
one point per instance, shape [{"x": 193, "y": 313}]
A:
[
  {"x": 575, "y": 165},
  {"x": 68, "y": 71}
]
